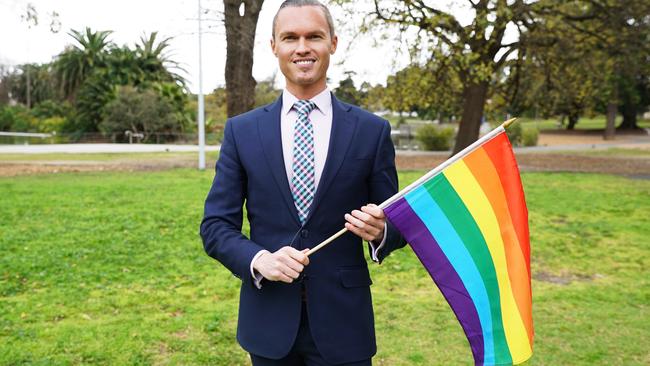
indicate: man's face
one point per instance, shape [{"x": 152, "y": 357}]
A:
[{"x": 303, "y": 47}]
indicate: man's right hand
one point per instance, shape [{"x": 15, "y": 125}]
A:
[{"x": 284, "y": 265}]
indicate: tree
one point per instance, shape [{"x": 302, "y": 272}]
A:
[
  {"x": 373, "y": 97},
  {"x": 154, "y": 61},
  {"x": 346, "y": 91},
  {"x": 240, "y": 19},
  {"x": 594, "y": 57},
  {"x": 478, "y": 50},
  {"x": 429, "y": 89},
  {"x": 90, "y": 72},
  {"x": 31, "y": 84},
  {"x": 75, "y": 64},
  {"x": 552, "y": 81}
]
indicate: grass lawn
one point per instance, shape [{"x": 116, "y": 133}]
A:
[
  {"x": 618, "y": 152},
  {"x": 108, "y": 269}
]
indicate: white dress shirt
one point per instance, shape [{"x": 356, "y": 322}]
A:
[{"x": 321, "y": 119}]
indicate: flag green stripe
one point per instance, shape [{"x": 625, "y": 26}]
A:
[{"x": 441, "y": 190}]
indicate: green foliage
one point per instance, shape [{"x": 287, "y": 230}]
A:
[
  {"x": 347, "y": 92},
  {"x": 47, "y": 116},
  {"x": 143, "y": 112},
  {"x": 76, "y": 63},
  {"x": 582, "y": 57},
  {"x": 90, "y": 72},
  {"x": 514, "y": 132},
  {"x": 16, "y": 118},
  {"x": 70, "y": 94},
  {"x": 94, "y": 274},
  {"x": 265, "y": 92},
  {"x": 42, "y": 83},
  {"x": 520, "y": 135},
  {"x": 50, "y": 108},
  {"x": 529, "y": 137},
  {"x": 94, "y": 94},
  {"x": 372, "y": 97},
  {"x": 430, "y": 90},
  {"x": 435, "y": 138}
]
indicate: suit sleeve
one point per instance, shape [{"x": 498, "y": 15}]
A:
[
  {"x": 223, "y": 213},
  {"x": 383, "y": 184}
]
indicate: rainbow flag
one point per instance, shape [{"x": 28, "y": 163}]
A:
[{"x": 467, "y": 222}]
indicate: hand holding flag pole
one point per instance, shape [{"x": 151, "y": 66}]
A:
[{"x": 425, "y": 177}]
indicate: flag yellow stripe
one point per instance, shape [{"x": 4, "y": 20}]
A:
[
  {"x": 475, "y": 200},
  {"x": 487, "y": 177}
]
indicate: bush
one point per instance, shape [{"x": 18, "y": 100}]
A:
[
  {"x": 435, "y": 138},
  {"x": 140, "y": 112},
  {"x": 50, "y": 108},
  {"x": 529, "y": 137},
  {"x": 17, "y": 119},
  {"x": 514, "y": 132},
  {"x": 520, "y": 136},
  {"x": 52, "y": 124}
]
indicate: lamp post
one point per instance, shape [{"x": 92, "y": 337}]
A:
[{"x": 201, "y": 116}]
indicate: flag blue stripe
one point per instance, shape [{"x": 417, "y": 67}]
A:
[{"x": 451, "y": 244}]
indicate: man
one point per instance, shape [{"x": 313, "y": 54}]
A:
[{"x": 304, "y": 166}]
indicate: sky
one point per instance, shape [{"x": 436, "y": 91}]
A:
[{"x": 129, "y": 20}]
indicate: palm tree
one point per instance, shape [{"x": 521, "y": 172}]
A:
[
  {"x": 155, "y": 61},
  {"x": 74, "y": 64}
]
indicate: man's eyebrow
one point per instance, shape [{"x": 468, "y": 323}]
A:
[
  {"x": 312, "y": 33},
  {"x": 287, "y": 33}
]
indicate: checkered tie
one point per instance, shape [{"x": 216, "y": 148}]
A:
[{"x": 303, "y": 182}]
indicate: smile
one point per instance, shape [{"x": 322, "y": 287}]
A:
[{"x": 304, "y": 62}]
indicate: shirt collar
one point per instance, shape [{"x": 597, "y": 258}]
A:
[{"x": 323, "y": 101}]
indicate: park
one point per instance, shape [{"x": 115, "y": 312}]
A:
[{"x": 101, "y": 259}]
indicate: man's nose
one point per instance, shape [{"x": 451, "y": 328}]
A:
[{"x": 302, "y": 47}]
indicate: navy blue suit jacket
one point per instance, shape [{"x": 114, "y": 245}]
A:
[{"x": 360, "y": 169}]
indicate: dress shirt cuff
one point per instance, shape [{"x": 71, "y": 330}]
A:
[
  {"x": 257, "y": 277},
  {"x": 374, "y": 248}
]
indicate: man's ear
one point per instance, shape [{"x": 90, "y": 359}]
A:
[
  {"x": 335, "y": 42},
  {"x": 273, "y": 47}
]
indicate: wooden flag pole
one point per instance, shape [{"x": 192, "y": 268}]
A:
[
  {"x": 326, "y": 241},
  {"x": 424, "y": 178}
]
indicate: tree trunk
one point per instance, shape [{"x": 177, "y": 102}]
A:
[
  {"x": 610, "y": 128},
  {"x": 628, "y": 110},
  {"x": 240, "y": 40},
  {"x": 573, "y": 120},
  {"x": 474, "y": 96}
]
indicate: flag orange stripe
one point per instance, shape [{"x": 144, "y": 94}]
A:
[
  {"x": 500, "y": 152},
  {"x": 485, "y": 173}
]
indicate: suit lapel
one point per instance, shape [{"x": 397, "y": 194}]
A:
[
  {"x": 271, "y": 140},
  {"x": 343, "y": 126}
]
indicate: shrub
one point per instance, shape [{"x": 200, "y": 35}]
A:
[
  {"x": 16, "y": 118},
  {"x": 52, "y": 124},
  {"x": 529, "y": 137},
  {"x": 435, "y": 138},
  {"x": 140, "y": 112},
  {"x": 520, "y": 136},
  {"x": 50, "y": 108}
]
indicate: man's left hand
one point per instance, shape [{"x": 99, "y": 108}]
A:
[{"x": 368, "y": 223}]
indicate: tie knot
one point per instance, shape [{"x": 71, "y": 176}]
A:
[{"x": 304, "y": 107}]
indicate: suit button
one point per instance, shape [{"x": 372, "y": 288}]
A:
[{"x": 304, "y": 234}]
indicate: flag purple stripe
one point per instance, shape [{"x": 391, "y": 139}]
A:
[{"x": 440, "y": 269}]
